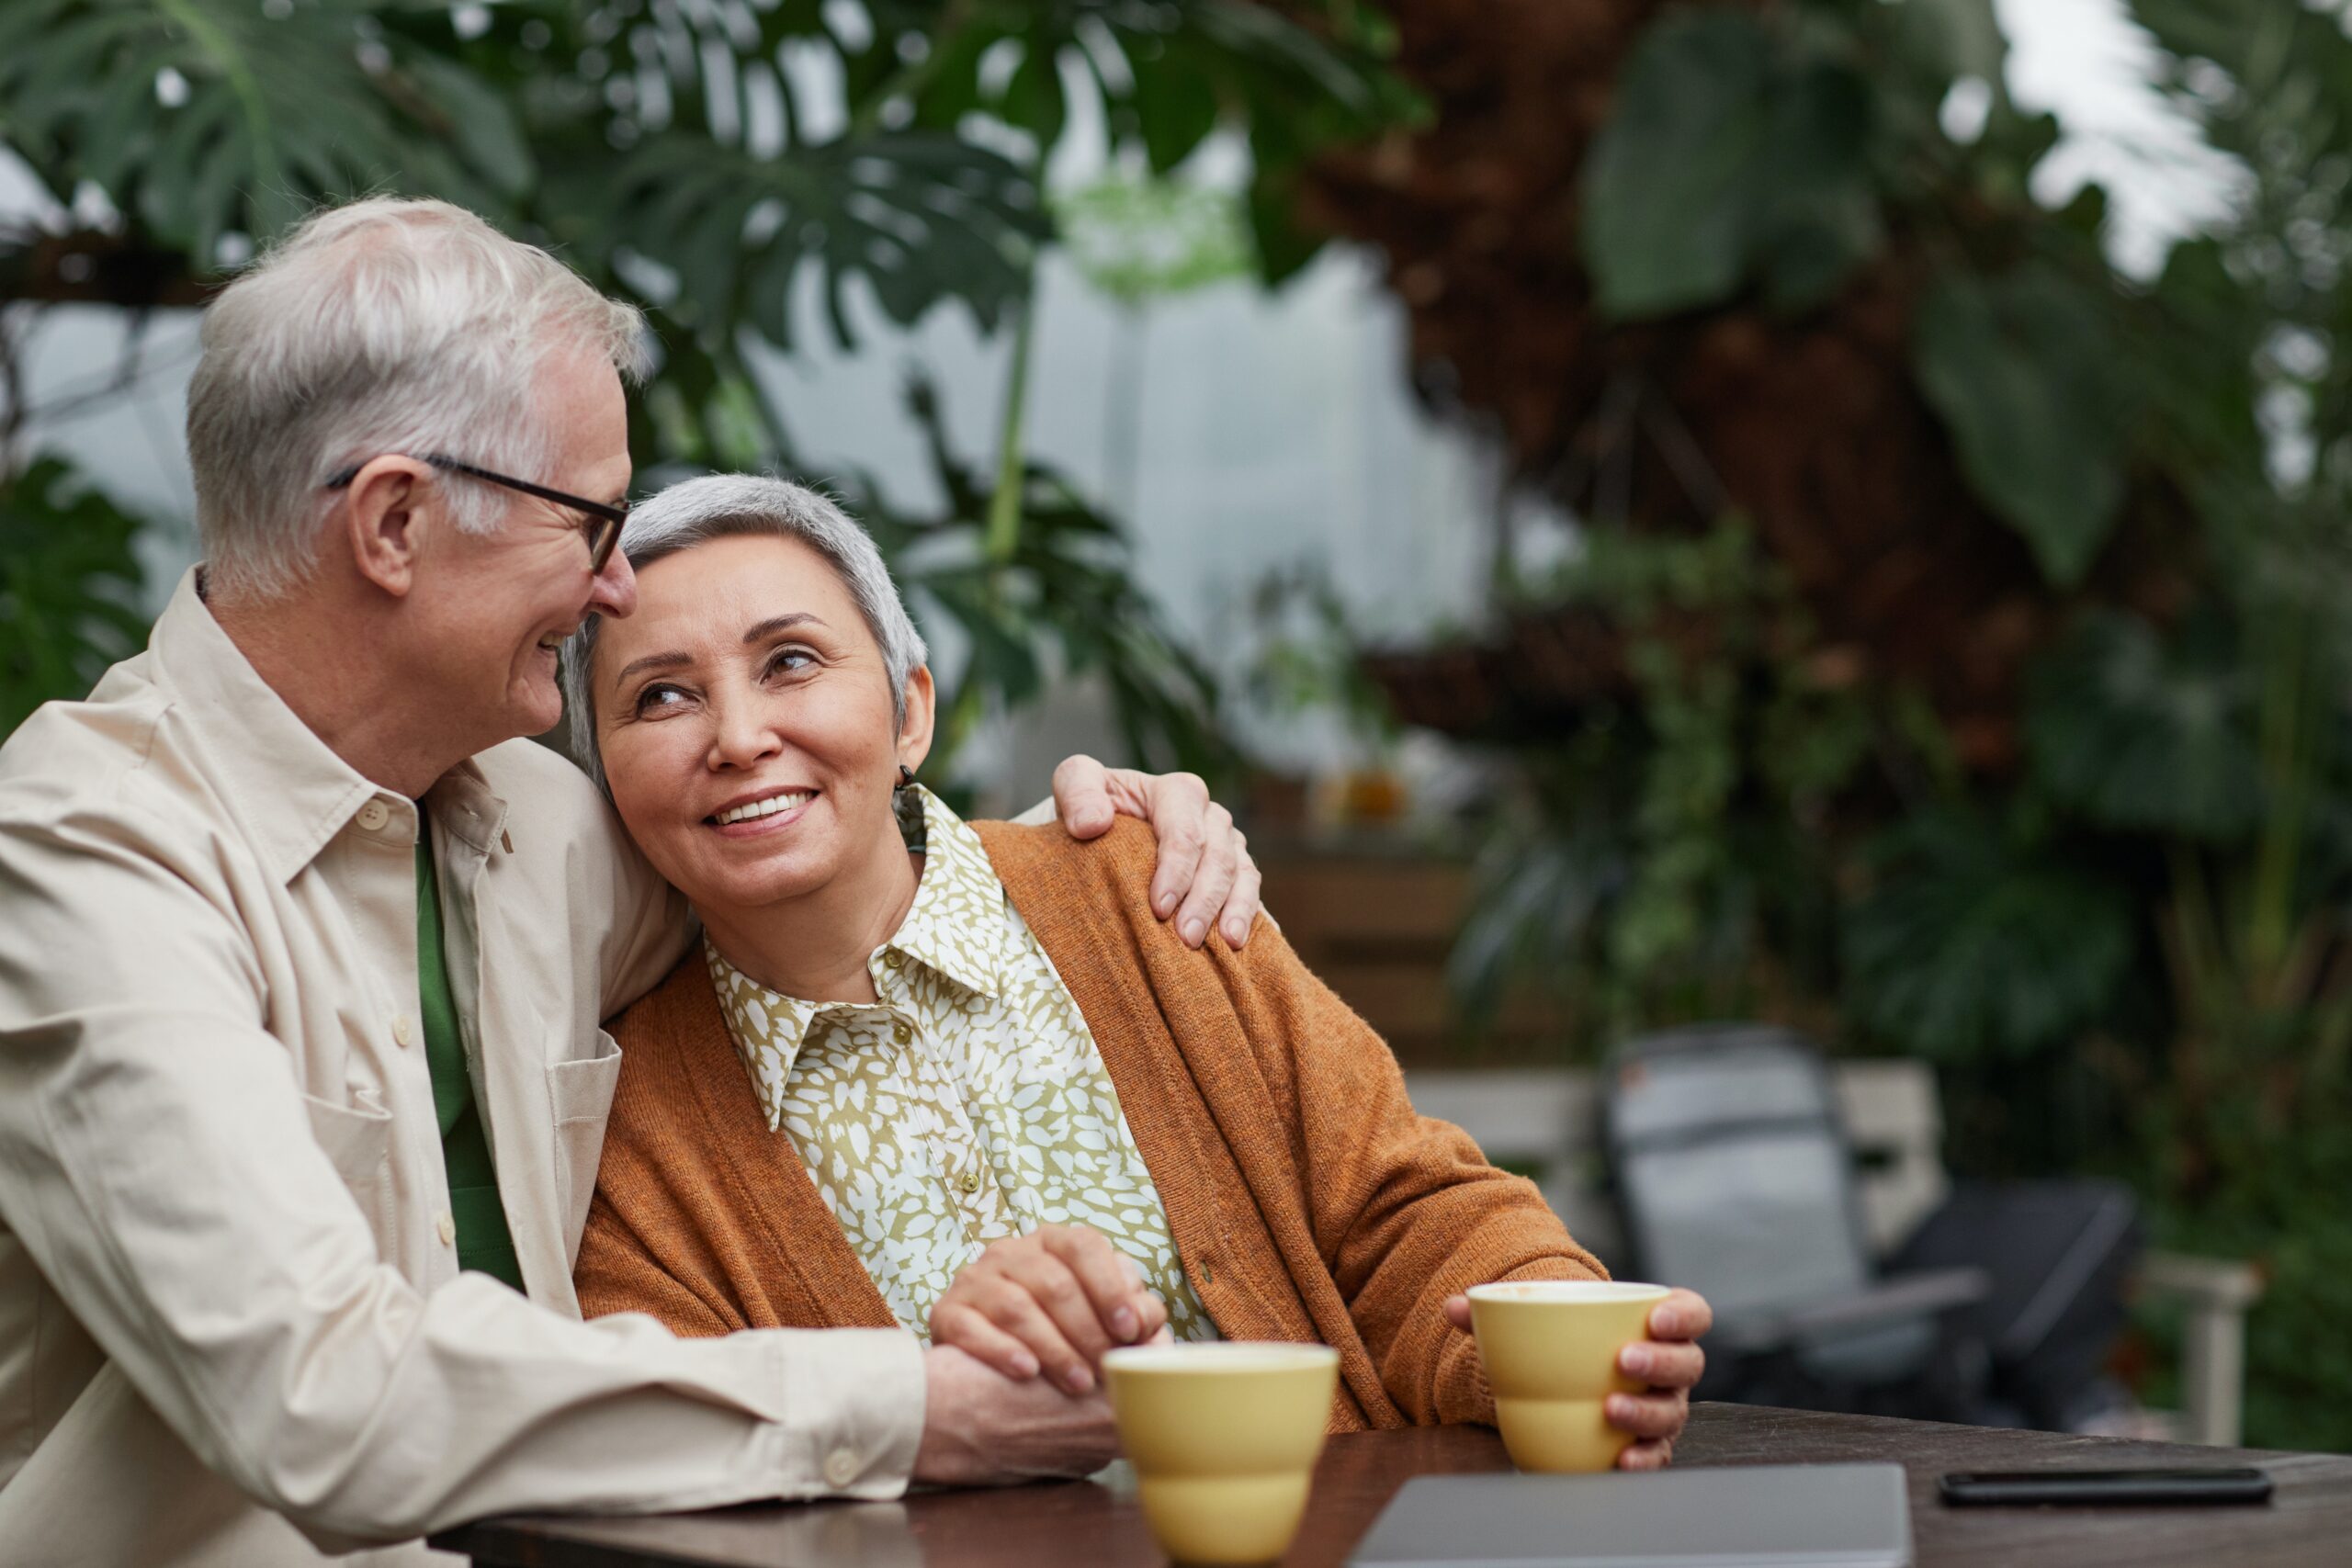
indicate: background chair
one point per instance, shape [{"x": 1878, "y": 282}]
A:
[
  {"x": 1735, "y": 1177},
  {"x": 1547, "y": 1122}
]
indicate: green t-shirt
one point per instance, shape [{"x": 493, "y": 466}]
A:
[{"x": 484, "y": 1241}]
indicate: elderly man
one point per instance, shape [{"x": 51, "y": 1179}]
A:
[{"x": 303, "y": 953}]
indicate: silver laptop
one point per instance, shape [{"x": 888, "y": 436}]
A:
[{"x": 1777, "y": 1516}]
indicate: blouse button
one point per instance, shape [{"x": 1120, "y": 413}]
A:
[
  {"x": 970, "y": 1181},
  {"x": 891, "y": 960},
  {"x": 903, "y": 1034}
]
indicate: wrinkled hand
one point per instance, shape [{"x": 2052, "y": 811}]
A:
[
  {"x": 1053, "y": 1299},
  {"x": 981, "y": 1428},
  {"x": 1204, "y": 859},
  {"x": 1669, "y": 1361}
]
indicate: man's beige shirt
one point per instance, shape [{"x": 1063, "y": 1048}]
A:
[{"x": 231, "y": 1326}]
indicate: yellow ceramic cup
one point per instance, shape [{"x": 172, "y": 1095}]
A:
[
  {"x": 1550, "y": 1350},
  {"x": 1223, "y": 1439}
]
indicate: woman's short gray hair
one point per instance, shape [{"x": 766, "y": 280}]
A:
[
  {"x": 720, "y": 506},
  {"x": 381, "y": 326}
]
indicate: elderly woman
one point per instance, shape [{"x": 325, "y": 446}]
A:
[{"x": 961, "y": 1080}]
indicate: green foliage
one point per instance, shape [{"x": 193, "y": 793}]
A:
[
  {"x": 1940, "y": 41},
  {"x": 69, "y": 587},
  {"x": 1166, "y": 75},
  {"x": 208, "y": 117},
  {"x": 1308, "y": 654},
  {"x": 2142, "y": 733},
  {"x": 2125, "y": 929},
  {"x": 1737, "y": 154},
  {"x": 1764, "y": 157},
  {"x": 1657, "y": 859},
  {"x": 1142, "y": 239},
  {"x": 2020, "y": 367},
  {"x": 2276, "y": 1200},
  {"x": 1980, "y": 941},
  {"x": 628, "y": 126},
  {"x": 1064, "y": 600},
  {"x": 665, "y": 148},
  {"x": 919, "y": 217}
]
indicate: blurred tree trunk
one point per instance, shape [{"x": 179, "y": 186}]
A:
[{"x": 1812, "y": 426}]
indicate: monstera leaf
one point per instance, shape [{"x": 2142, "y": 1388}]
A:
[
  {"x": 1982, "y": 942},
  {"x": 201, "y": 118},
  {"x": 2020, "y": 368},
  {"x": 2145, "y": 733},
  {"x": 69, "y": 587},
  {"x": 1066, "y": 599},
  {"x": 673, "y": 134},
  {"x": 1731, "y": 158},
  {"x": 921, "y": 217},
  {"x": 1166, "y": 75},
  {"x": 1950, "y": 38}
]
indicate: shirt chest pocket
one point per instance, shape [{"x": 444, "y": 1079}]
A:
[
  {"x": 579, "y": 1097},
  {"x": 358, "y": 1139}
]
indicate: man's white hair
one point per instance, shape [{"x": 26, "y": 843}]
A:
[
  {"x": 383, "y": 326},
  {"x": 720, "y": 506}
]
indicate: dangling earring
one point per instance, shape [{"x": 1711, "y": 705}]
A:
[{"x": 906, "y": 776}]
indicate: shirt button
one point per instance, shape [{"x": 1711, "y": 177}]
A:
[
  {"x": 970, "y": 1181},
  {"x": 903, "y": 1034},
  {"x": 891, "y": 960},
  {"x": 374, "y": 815},
  {"x": 840, "y": 1467},
  {"x": 445, "y": 1227},
  {"x": 402, "y": 1032}
]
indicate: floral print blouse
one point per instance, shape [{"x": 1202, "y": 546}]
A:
[{"x": 968, "y": 1103}]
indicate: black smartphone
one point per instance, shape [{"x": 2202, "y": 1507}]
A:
[{"x": 2108, "y": 1488}]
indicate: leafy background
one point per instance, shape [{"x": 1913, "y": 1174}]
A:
[
  {"x": 679, "y": 155},
  {"x": 1953, "y": 657},
  {"x": 1961, "y": 663}
]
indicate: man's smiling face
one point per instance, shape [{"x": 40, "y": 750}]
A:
[{"x": 498, "y": 605}]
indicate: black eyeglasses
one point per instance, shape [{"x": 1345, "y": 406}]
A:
[{"x": 602, "y": 523}]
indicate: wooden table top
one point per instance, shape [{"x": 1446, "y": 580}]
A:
[{"x": 2308, "y": 1521}]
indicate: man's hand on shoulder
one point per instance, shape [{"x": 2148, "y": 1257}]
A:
[{"x": 1205, "y": 873}]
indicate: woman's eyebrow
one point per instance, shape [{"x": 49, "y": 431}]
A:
[
  {"x": 650, "y": 661},
  {"x": 775, "y": 623}
]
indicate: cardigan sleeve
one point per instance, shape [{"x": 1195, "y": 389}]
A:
[
  {"x": 616, "y": 1272},
  {"x": 1406, "y": 1210}
]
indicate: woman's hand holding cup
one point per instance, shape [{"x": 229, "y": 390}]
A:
[
  {"x": 1669, "y": 1361},
  {"x": 1050, "y": 1301}
]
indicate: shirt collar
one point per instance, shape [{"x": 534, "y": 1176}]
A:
[
  {"x": 767, "y": 1027},
  {"x": 287, "y": 786},
  {"x": 467, "y": 809},
  {"x": 958, "y": 927}
]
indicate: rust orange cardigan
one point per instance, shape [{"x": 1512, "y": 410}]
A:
[{"x": 1306, "y": 1199}]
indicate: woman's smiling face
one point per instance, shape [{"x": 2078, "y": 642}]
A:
[{"x": 744, "y": 717}]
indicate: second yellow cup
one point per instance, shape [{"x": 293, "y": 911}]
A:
[
  {"x": 1223, "y": 1439},
  {"x": 1550, "y": 1350}
]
